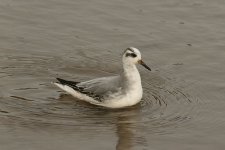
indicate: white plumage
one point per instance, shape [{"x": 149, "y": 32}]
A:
[{"x": 114, "y": 91}]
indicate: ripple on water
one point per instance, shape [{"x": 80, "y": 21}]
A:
[{"x": 165, "y": 105}]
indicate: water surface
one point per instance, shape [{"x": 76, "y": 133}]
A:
[{"x": 183, "y": 103}]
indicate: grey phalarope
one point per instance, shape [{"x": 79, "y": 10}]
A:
[{"x": 114, "y": 91}]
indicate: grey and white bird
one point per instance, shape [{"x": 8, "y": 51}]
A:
[{"x": 114, "y": 91}]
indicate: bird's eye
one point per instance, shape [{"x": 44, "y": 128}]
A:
[{"x": 131, "y": 55}]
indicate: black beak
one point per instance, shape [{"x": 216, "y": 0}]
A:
[{"x": 143, "y": 64}]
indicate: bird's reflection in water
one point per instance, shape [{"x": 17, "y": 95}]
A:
[
  {"x": 127, "y": 124},
  {"x": 127, "y": 121},
  {"x": 124, "y": 133}
]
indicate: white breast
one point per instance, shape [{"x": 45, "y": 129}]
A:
[{"x": 131, "y": 93}]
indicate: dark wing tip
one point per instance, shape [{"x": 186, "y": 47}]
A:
[
  {"x": 73, "y": 85},
  {"x": 62, "y": 81},
  {"x": 66, "y": 82}
]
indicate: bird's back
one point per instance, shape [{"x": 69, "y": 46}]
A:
[{"x": 102, "y": 86}]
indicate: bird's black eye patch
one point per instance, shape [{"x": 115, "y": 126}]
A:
[{"x": 131, "y": 55}]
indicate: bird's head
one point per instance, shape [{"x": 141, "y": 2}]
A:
[{"x": 133, "y": 56}]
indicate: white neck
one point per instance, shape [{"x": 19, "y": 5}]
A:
[{"x": 131, "y": 75}]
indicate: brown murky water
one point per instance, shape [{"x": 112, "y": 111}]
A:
[{"x": 183, "y": 41}]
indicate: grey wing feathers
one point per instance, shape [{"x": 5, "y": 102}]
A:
[
  {"x": 96, "y": 88},
  {"x": 101, "y": 86},
  {"x": 73, "y": 85}
]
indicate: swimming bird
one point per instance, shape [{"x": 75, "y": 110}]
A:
[{"x": 114, "y": 91}]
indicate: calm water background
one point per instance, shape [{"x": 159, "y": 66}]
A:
[{"x": 183, "y": 41}]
